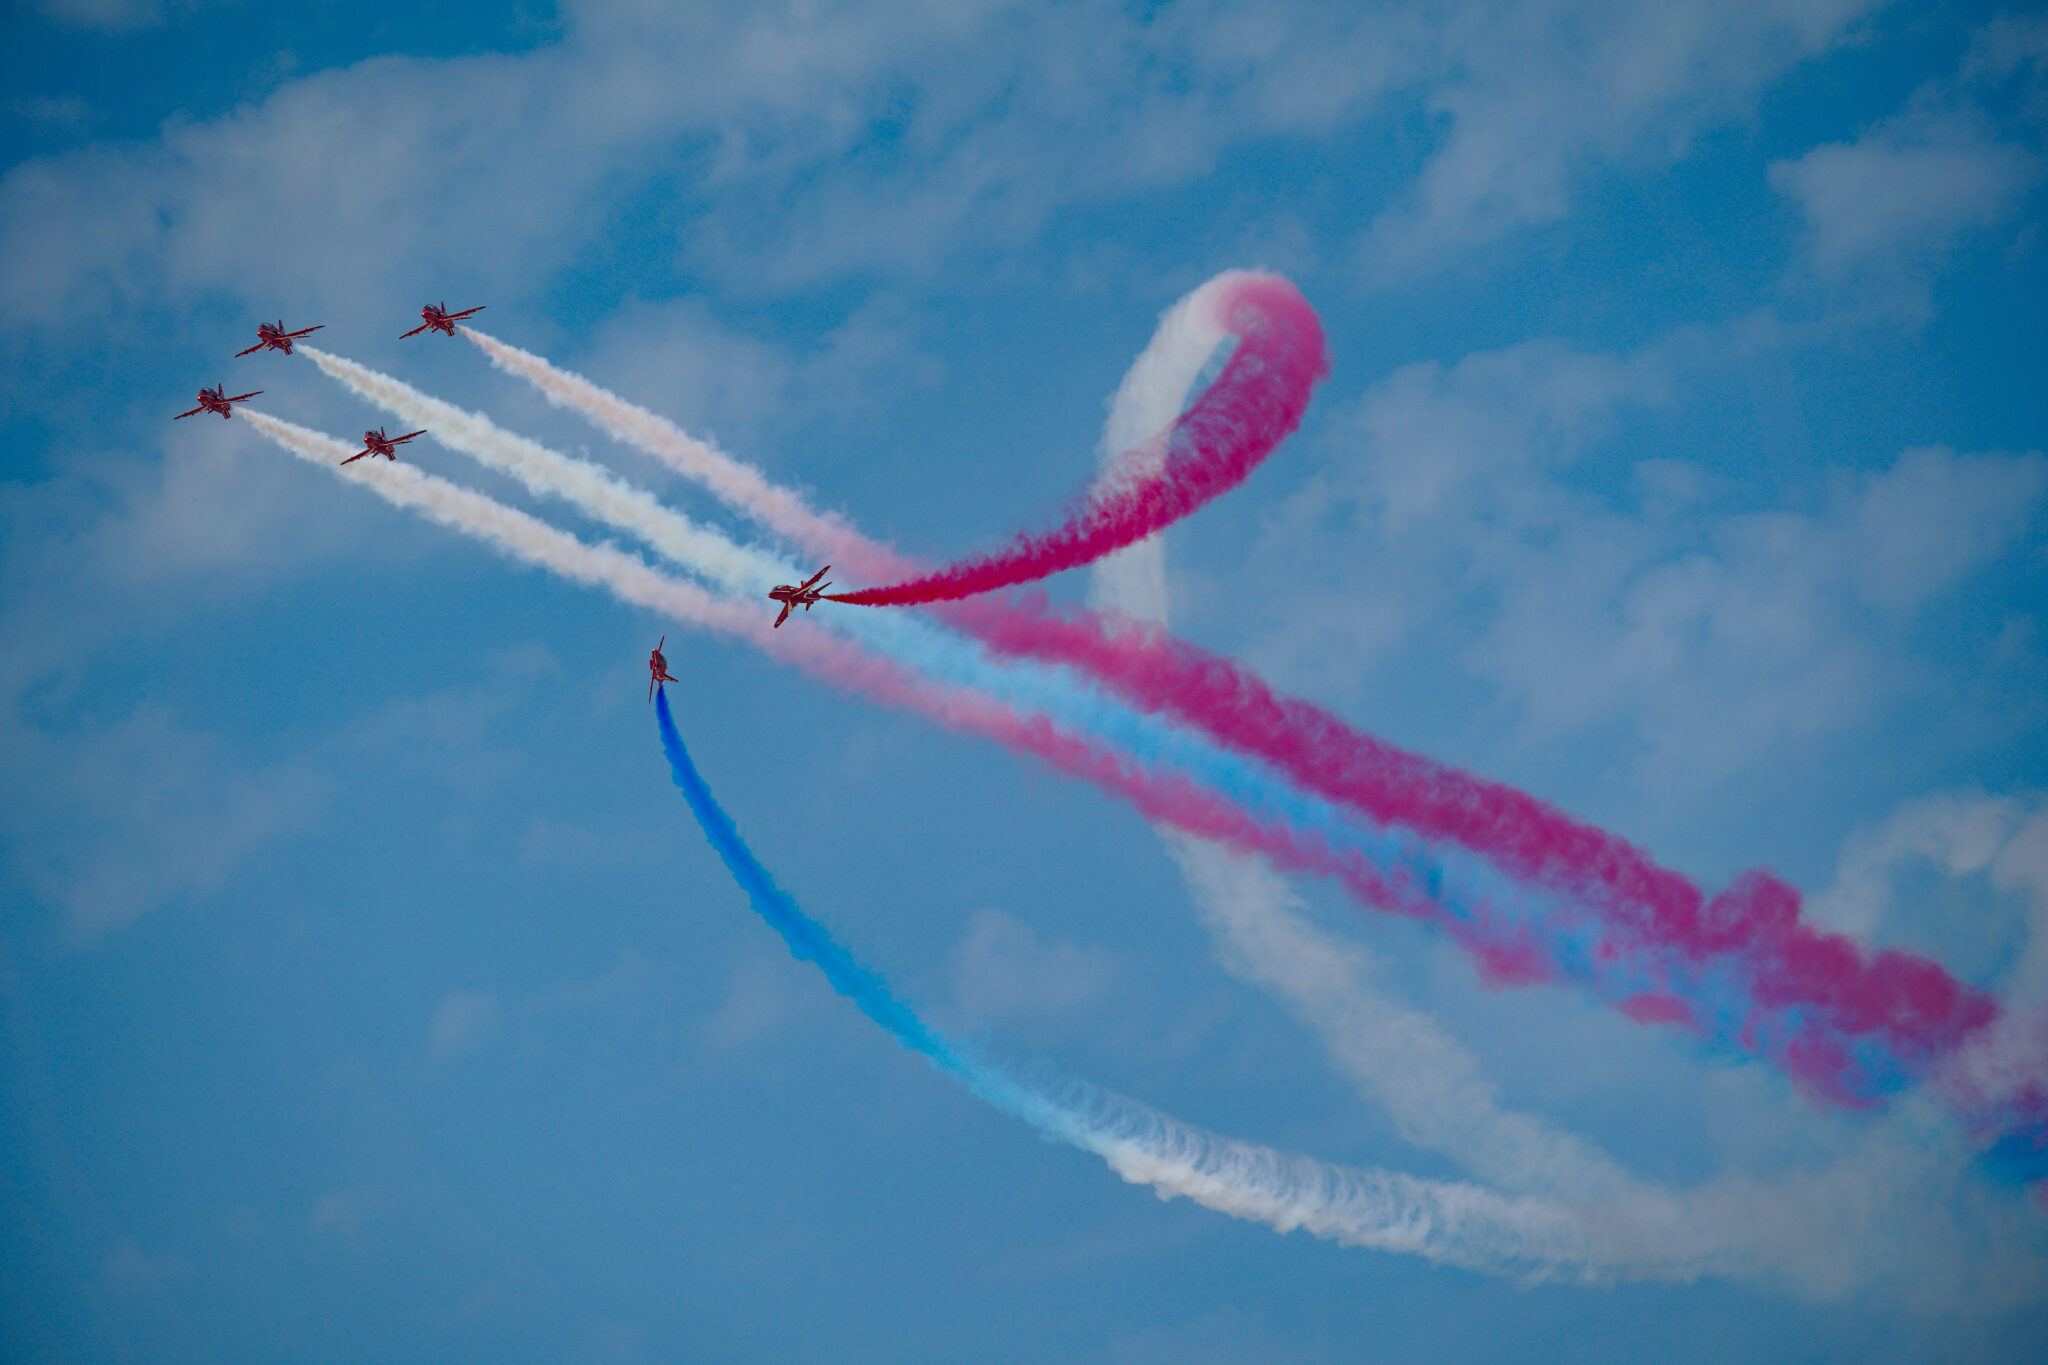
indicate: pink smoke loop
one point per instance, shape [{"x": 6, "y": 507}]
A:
[{"x": 1255, "y": 403}]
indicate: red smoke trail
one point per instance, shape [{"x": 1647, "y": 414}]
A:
[
  {"x": 1256, "y": 403},
  {"x": 1830, "y": 991}
]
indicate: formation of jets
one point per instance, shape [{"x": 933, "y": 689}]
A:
[
  {"x": 802, "y": 595},
  {"x": 435, "y": 317},
  {"x": 274, "y": 337},
  {"x": 375, "y": 442}
]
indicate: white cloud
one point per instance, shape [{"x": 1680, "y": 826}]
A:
[
  {"x": 2013, "y": 45},
  {"x": 1904, "y": 193},
  {"x": 1002, "y": 971},
  {"x": 1439, "y": 475},
  {"x": 1957, "y": 833},
  {"x": 1535, "y": 95},
  {"x": 461, "y": 1023},
  {"x": 1455, "y": 498},
  {"x": 802, "y": 142},
  {"x": 134, "y": 814},
  {"x": 67, "y": 112},
  {"x": 764, "y": 992},
  {"x": 2022, "y": 866},
  {"x": 1752, "y": 639},
  {"x": 112, "y": 16}
]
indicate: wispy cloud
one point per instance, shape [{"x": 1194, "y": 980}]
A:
[
  {"x": 1456, "y": 495},
  {"x": 462, "y": 1021},
  {"x": 1885, "y": 211},
  {"x": 1001, "y": 971},
  {"x": 1534, "y": 97},
  {"x": 1902, "y": 195}
]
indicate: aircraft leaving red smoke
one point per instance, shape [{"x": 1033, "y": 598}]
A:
[
  {"x": 1254, "y": 404},
  {"x": 804, "y": 595}
]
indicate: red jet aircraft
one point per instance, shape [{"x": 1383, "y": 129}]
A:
[
  {"x": 214, "y": 400},
  {"x": 802, "y": 596},
  {"x": 657, "y": 666},
  {"x": 377, "y": 443},
  {"x": 276, "y": 338},
  {"x": 439, "y": 319}
]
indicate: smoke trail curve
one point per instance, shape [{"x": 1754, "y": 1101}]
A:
[{"x": 1256, "y": 403}]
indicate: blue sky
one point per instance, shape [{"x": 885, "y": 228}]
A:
[{"x": 369, "y": 992}]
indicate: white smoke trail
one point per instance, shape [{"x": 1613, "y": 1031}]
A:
[
  {"x": 1448, "y": 1222},
  {"x": 1433, "y": 1088},
  {"x": 1191, "y": 326},
  {"x": 1153, "y": 392},
  {"x": 527, "y": 538},
  {"x": 737, "y": 568},
  {"x": 737, "y": 483}
]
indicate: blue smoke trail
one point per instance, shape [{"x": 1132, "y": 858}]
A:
[
  {"x": 1457, "y": 1223},
  {"x": 809, "y": 942}
]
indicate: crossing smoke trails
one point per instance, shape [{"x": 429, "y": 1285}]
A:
[
  {"x": 1256, "y": 403},
  {"x": 1738, "y": 970},
  {"x": 1459, "y": 1224},
  {"x": 1814, "y": 999},
  {"x": 1628, "y": 1235},
  {"x": 1806, "y": 1229},
  {"x": 1432, "y": 1087},
  {"x": 1214, "y": 808},
  {"x": 1452, "y": 1223},
  {"x": 1165, "y": 775}
]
